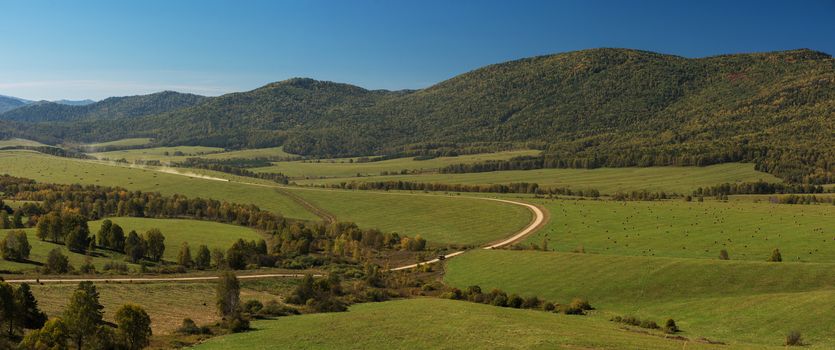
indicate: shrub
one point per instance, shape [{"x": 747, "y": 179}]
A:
[
  {"x": 794, "y": 338},
  {"x": 273, "y": 309},
  {"x": 775, "y": 256},
  {"x": 56, "y": 263},
  {"x": 499, "y": 300},
  {"x": 252, "y": 306},
  {"x": 670, "y": 326},
  {"x": 515, "y": 301},
  {"x": 548, "y": 306},
  {"x": 531, "y": 303},
  {"x": 189, "y": 327}
]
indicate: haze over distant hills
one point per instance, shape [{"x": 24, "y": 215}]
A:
[
  {"x": 590, "y": 108},
  {"x": 8, "y": 103}
]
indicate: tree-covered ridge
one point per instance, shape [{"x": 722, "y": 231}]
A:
[
  {"x": 110, "y": 108},
  {"x": 591, "y": 108}
]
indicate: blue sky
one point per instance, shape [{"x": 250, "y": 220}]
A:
[{"x": 95, "y": 49}]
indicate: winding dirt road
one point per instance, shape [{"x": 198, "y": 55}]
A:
[{"x": 538, "y": 220}]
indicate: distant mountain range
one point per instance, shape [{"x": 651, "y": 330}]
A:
[
  {"x": 8, "y": 103},
  {"x": 590, "y": 108}
]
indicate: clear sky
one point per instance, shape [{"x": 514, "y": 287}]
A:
[{"x": 94, "y": 49}]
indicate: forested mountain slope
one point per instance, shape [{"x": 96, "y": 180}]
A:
[
  {"x": 8, "y": 103},
  {"x": 110, "y": 108},
  {"x": 591, "y": 108}
]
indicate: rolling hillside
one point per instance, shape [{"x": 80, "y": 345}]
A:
[
  {"x": 111, "y": 108},
  {"x": 586, "y": 109}
]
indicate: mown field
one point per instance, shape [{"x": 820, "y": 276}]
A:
[
  {"x": 176, "y": 231},
  {"x": 439, "y": 219},
  {"x": 344, "y": 167},
  {"x": 681, "y": 180},
  {"x": 730, "y": 301},
  {"x": 747, "y": 230},
  {"x": 167, "y": 303},
  {"x": 44, "y": 168},
  {"x": 441, "y": 324}
]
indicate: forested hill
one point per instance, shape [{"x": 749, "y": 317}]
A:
[
  {"x": 591, "y": 108},
  {"x": 8, "y": 103},
  {"x": 114, "y": 107}
]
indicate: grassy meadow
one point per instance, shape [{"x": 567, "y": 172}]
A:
[
  {"x": 441, "y": 324},
  {"x": 344, "y": 167},
  {"x": 45, "y": 168},
  {"x": 158, "y": 153},
  {"x": 729, "y": 301},
  {"x": 681, "y": 180},
  {"x": 439, "y": 219},
  {"x": 747, "y": 230},
  {"x": 130, "y": 142},
  {"x": 167, "y": 303},
  {"x": 17, "y": 142},
  {"x": 176, "y": 231}
]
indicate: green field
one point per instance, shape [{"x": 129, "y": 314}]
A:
[
  {"x": 440, "y": 219},
  {"x": 15, "y": 142},
  {"x": 441, "y": 324},
  {"x": 132, "y": 142},
  {"x": 748, "y": 231},
  {"x": 167, "y": 303},
  {"x": 176, "y": 231},
  {"x": 731, "y": 301},
  {"x": 344, "y": 168},
  {"x": 157, "y": 153},
  {"x": 437, "y": 218},
  {"x": 46, "y": 168},
  {"x": 681, "y": 180}
]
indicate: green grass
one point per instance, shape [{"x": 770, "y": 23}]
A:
[
  {"x": 343, "y": 168},
  {"x": 190, "y": 152},
  {"x": 157, "y": 153},
  {"x": 732, "y": 301},
  {"x": 176, "y": 231},
  {"x": 748, "y": 231},
  {"x": 437, "y": 218},
  {"x": 440, "y": 324},
  {"x": 131, "y": 142},
  {"x": 51, "y": 169},
  {"x": 13, "y": 142},
  {"x": 681, "y": 180}
]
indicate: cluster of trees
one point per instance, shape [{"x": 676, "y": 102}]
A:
[
  {"x": 82, "y": 326},
  {"x": 234, "y": 166},
  {"x": 65, "y": 226},
  {"x": 759, "y": 187},
  {"x": 513, "y": 187},
  {"x": 642, "y": 195},
  {"x": 322, "y": 295},
  {"x": 96, "y": 202},
  {"x": 16, "y": 220},
  {"x": 807, "y": 199},
  {"x": 15, "y": 246},
  {"x": 18, "y": 310},
  {"x": 497, "y": 297}
]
